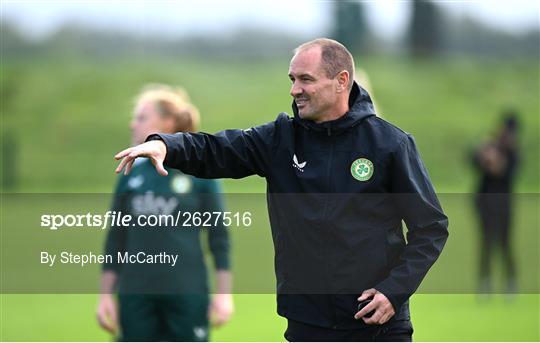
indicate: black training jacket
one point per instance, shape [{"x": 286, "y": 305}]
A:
[{"x": 337, "y": 194}]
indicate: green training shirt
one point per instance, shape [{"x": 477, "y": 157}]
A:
[{"x": 165, "y": 256}]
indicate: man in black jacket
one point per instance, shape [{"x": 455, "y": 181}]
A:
[{"x": 340, "y": 182}]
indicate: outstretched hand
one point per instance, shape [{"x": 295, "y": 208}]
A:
[{"x": 154, "y": 150}]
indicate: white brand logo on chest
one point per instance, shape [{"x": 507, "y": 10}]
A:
[{"x": 299, "y": 166}]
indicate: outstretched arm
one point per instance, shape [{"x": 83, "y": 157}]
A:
[{"x": 227, "y": 154}]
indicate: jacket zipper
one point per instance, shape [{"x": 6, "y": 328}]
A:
[
  {"x": 328, "y": 176},
  {"x": 325, "y": 210}
]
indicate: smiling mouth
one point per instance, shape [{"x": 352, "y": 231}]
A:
[{"x": 301, "y": 102}]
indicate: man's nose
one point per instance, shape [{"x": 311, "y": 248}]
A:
[{"x": 295, "y": 90}]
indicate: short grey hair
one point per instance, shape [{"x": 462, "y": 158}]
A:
[{"x": 334, "y": 55}]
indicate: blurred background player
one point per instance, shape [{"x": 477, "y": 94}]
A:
[
  {"x": 496, "y": 162},
  {"x": 158, "y": 302}
]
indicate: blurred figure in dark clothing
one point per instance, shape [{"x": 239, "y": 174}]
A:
[{"x": 497, "y": 162}]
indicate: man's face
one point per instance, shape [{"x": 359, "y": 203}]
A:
[
  {"x": 313, "y": 91},
  {"x": 146, "y": 120}
]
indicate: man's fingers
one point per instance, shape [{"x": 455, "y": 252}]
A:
[
  {"x": 364, "y": 296},
  {"x": 367, "y": 293},
  {"x": 384, "y": 318},
  {"x": 129, "y": 165},
  {"x": 160, "y": 169},
  {"x": 123, "y": 153},
  {"x": 368, "y": 308},
  {"x": 155, "y": 150},
  {"x": 122, "y": 164},
  {"x": 374, "y": 319},
  {"x": 381, "y": 315}
]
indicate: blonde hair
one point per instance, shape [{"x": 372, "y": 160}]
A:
[{"x": 171, "y": 102}]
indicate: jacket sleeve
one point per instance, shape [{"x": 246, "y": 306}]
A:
[
  {"x": 427, "y": 225},
  {"x": 218, "y": 236},
  {"x": 227, "y": 154}
]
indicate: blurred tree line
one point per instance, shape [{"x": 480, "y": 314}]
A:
[{"x": 430, "y": 33}]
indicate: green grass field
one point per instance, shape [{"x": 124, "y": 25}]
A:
[
  {"x": 69, "y": 116},
  {"x": 435, "y": 318},
  {"x": 445, "y": 302}
]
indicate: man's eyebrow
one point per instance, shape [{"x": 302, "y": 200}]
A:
[{"x": 301, "y": 75}]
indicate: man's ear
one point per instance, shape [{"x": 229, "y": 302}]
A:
[{"x": 343, "y": 81}]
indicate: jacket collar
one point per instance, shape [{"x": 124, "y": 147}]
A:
[{"x": 360, "y": 107}]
